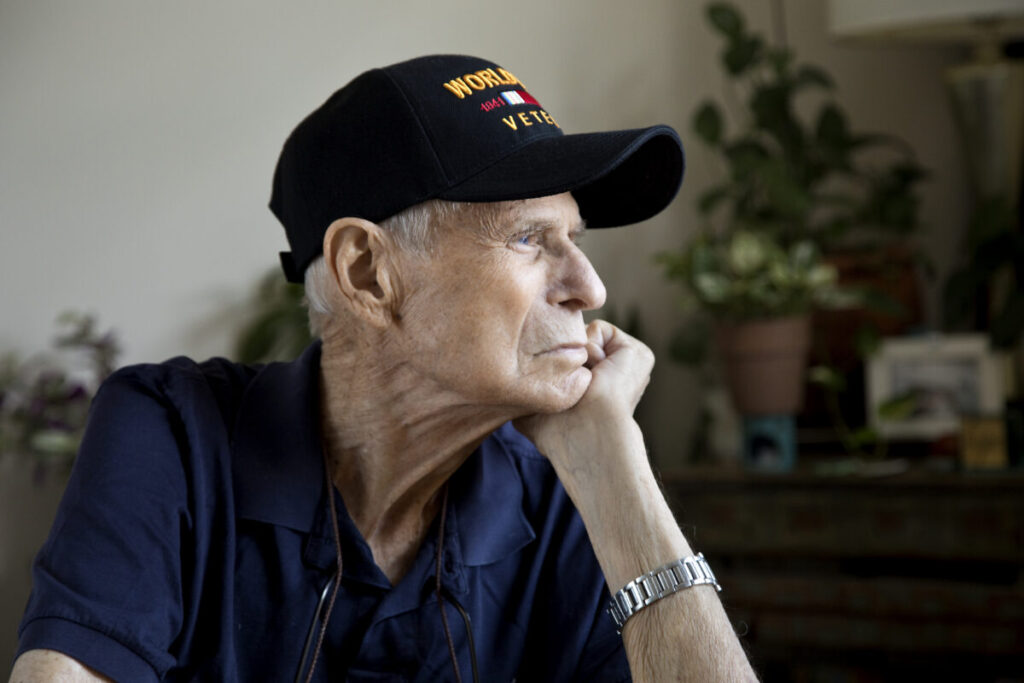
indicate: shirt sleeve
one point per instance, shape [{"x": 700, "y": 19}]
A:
[
  {"x": 569, "y": 624},
  {"x": 604, "y": 655},
  {"x": 107, "y": 586}
]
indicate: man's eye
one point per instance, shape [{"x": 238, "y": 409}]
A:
[{"x": 528, "y": 240}]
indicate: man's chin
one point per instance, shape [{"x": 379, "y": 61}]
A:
[{"x": 569, "y": 391}]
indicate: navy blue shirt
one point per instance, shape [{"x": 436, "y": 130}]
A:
[{"x": 194, "y": 543}]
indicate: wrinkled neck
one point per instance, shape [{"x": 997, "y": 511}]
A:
[{"x": 392, "y": 439}]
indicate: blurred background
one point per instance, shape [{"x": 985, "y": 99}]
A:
[{"x": 137, "y": 144}]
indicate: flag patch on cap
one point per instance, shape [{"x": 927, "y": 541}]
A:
[{"x": 519, "y": 97}]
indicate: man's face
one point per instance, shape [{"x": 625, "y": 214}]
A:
[{"x": 495, "y": 315}]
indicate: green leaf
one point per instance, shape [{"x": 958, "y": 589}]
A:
[
  {"x": 741, "y": 54},
  {"x": 867, "y": 341},
  {"x": 812, "y": 75},
  {"x": 725, "y": 19},
  {"x": 785, "y": 192},
  {"x": 712, "y": 288},
  {"x": 822, "y": 276},
  {"x": 882, "y": 302},
  {"x": 770, "y": 104},
  {"x": 860, "y": 438},
  {"x": 691, "y": 342},
  {"x": 803, "y": 255},
  {"x": 703, "y": 258},
  {"x": 1008, "y": 324},
  {"x": 780, "y": 58},
  {"x": 711, "y": 198},
  {"x": 278, "y": 328},
  {"x": 54, "y": 441},
  {"x": 861, "y": 140},
  {"x": 676, "y": 265},
  {"x": 835, "y": 298},
  {"x": 899, "y": 407},
  {"x": 774, "y": 116},
  {"x": 747, "y": 253},
  {"x": 832, "y": 130},
  {"x": 707, "y": 123},
  {"x": 746, "y": 156},
  {"x": 827, "y": 377}
]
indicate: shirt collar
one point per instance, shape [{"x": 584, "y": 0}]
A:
[
  {"x": 278, "y": 466},
  {"x": 488, "y": 501},
  {"x": 279, "y": 473}
]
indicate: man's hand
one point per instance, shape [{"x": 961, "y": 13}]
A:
[
  {"x": 620, "y": 366},
  {"x": 598, "y": 453},
  {"x": 620, "y": 369}
]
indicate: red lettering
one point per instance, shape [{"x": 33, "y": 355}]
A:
[{"x": 492, "y": 104}]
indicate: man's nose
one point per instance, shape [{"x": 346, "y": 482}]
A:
[{"x": 579, "y": 287}]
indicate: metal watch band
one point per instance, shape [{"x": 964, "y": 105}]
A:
[{"x": 655, "y": 585}]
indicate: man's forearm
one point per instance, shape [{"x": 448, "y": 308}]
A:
[
  {"x": 685, "y": 636},
  {"x": 45, "y": 666}
]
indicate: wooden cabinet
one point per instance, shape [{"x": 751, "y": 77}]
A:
[{"x": 866, "y": 579}]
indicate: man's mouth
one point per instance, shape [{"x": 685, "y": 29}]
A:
[{"x": 576, "y": 353}]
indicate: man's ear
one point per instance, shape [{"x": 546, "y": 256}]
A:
[{"x": 359, "y": 256}]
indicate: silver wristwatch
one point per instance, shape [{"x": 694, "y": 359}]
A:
[{"x": 656, "y": 584}]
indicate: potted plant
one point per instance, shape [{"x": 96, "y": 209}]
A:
[
  {"x": 278, "y": 326},
  {"x": 796, "y": 190},
  {"x": 43, "y": 404},
  {"x": 796, "y": 169},
  {"x": 44, "y": 401},
  {"x": 759, "y": 297},
  {"x": 987, "y": 291},
  {"x": 800, "y": 177}
]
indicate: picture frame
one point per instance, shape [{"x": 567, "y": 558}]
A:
[
  {"x": 920, "y": 388},
  {"x": 983, "y": 443}
]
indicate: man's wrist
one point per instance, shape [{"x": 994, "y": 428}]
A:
[
  {"x": 600, "y": 443},
  {"x": 659, "y": 583}
]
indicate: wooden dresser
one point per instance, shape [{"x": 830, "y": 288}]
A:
[{"x": 909, "y": 577}]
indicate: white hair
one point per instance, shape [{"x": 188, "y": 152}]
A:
[{"x": 413, "y": 229}]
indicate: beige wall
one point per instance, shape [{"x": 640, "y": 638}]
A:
[{"x": 137, "y": 141}]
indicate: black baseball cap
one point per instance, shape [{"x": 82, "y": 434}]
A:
[{"x": 462, "y": 129}]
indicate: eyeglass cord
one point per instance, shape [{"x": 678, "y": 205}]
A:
[
  {"x": 335, "y": 584},
  {"x": 455, "y": 603}
]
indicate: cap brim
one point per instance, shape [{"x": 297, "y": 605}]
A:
[{"x": 617, "y": 177}]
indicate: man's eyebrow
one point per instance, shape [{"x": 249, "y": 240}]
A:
[{"x": 545, "y": 224}]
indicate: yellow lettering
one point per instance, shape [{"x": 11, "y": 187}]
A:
[
  {"x": 509, "y": 121},
  {"x": 475, "y": 82},
  {"x": 535, "y": 115},
  {"x": 487, "y": 78},
  {"x": 497, "y": 78},
  {"x": 547, "y": 117},
  {"x": 526, "y": 121},
  {"x": 458, "y": 88},
  {"x": 509, "y": 78}
]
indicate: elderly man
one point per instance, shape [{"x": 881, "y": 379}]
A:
[{"x": 380, "y": 508}]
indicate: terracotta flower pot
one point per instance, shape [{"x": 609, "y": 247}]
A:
[{"x": 765, "y": 362}]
